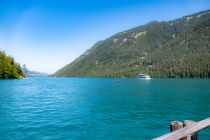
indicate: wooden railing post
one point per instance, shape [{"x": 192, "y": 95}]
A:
[
  {"x": 175, "y": 125},
  {"x": 193, "y": 136},
  {"x": 187, "y": 132}
]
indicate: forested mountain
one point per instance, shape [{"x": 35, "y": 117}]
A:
[
  {"x": 177, "y": 48},
  {"x": 8, "y": 68}
]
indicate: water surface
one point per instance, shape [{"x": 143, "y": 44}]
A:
[{"x": 99, "y": 108}]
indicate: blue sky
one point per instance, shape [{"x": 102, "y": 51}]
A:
[{"x": 48, "y": 34}]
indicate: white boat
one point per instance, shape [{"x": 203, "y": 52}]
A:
[{"x": 144, "y": 76}]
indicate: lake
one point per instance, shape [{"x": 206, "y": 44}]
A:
[{"x": 99, "y": 108}]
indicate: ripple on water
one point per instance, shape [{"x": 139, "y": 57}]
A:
[{"x": 99, "y": 108}]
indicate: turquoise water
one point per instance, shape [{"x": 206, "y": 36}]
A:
[{"x": 99, "y": 108}]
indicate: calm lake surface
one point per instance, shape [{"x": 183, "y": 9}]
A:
[{"x": 99, "y": 108}]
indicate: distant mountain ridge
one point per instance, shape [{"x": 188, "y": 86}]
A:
[
  {"x": 177, "y": 48},
  {"x": 29, "y": 73}
]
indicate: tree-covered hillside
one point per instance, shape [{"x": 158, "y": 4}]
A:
[
  {"x": 8, "y": 68},
  {"x": 178, "y": 48}
]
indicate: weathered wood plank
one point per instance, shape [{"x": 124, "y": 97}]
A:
[
  {"x": 193, "y": 136},
  {"x": 188, "y": 130}
]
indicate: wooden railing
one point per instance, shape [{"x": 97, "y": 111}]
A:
[{"x": 189, "y": 132}]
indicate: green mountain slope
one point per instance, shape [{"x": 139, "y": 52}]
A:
[
  {"x": 178, "y": 48},
  {"x": 8, "y": 68}
]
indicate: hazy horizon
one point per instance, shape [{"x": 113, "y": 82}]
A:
[{"x": 47, "y": 35}]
